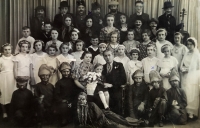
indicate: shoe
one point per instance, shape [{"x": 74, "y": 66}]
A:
[
  {"x": 107, "y": 109},
  {"x": 160, "y": 124}
]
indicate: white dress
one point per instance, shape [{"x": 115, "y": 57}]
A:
[
  {"x": 99, "y": 59},
  {"x": 38, "y": 60},
  {"x": 132, "y": 66},
  {"x": 166, "y": 65},
  {"x": 77, "y": 56},
  {"x": 7, "y": 80},
  {"x": 148, "y": 65},
  {"x": 123, "y": 60},
  {"x": 52, "y": 62},
  {"x": 24, "y": 62}
]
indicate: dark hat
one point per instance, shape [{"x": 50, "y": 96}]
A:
[
  {"x": 139, "y": 1},
  {"x": 40, "y": 8},
  {"x": 63, "y": 4},
  {"x": 95, "y": 5},
  {"x": 22, "y": 79},
  {"x": 80, "y": 2},
  {"x": 153, "y": 20},
  {"x": 167, "y": 4}
]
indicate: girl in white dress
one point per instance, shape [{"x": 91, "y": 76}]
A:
[
  {"x": 166, "y": 65},
  {"x": 38, "y": 58},
  {"x": 79, "y": 51},
  {"x": 7, "y": 80},
  {"x": 52, "y": 61},
  {"x": 23, "y": 64},
  {"x": 99, "y": 58},
  {"x": 55, "y": 41},
  {"x": 190, "y": 70},
  {"x": 122, "y": 58},
  {"x": 133, "y": 65},
  {"x": 161, "y": 35}
]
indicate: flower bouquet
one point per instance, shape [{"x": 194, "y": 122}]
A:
[{"x": 91, "y": 78}]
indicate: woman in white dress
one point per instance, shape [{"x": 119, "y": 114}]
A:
[
  {"x": 7, "y": 80},
  {"x": 190, "y": 70},
  {"x": 38, "y": 58}
]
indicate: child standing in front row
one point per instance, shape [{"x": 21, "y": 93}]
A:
[
  {"x": 23, "y": 64},
  {"x": 121, "y": 57},
  {"x": 146, "y": 34},
  {"x": 149, "y": 63},
  {"x": 166, "y": 65},
  {"x": 99, "y": 58},
  {"x": 133, "y": 65},
  {"x": 38, "y": 58},
  {"x": 26, "y": 32},
  {"x": 161, "y": 35},
  {"x": 130, "y": 43},
  {"x": 7, "y": 80},
  {"x": 55, "y": 41},
  {"x": 53, "y": 63}
]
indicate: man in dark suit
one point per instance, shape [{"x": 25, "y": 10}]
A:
[
  {"x": 37, "y": 22},
  {"x": 114, "y": 74},
  {"x": 59, "y": 18},
  {"x": 113, "y": 6},
  {"x": 139, "y": 14},
  {"x": 168, "y": 22}
]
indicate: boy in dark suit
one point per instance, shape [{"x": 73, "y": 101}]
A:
[{"x": 114, "y": 74}]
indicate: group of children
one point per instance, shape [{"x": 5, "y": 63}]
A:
[{"x": 50, "y": 74}]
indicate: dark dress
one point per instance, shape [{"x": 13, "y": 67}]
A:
[
  {"x": 123, "y": 34},
  {"x": 45, "y": 37},
  {"x": 143, "y": 50},
  {"x": 178, "y": 116},
  {"x": 22, "y": 109},
  {"x": 137, "y": 94},
  {"x": 94, "y": 52}
]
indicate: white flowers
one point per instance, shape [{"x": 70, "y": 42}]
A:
[{"x": 92, "y": 77}]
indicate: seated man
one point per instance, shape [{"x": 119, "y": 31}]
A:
[
  {"x": 65, "y": 94},
  {"x": 138, "y": 95},
  {"x": 157, "y": 102},
  {"x": 22, "y": 103},
  {"x": 44, "y": 93},
  {"x": 177, "y": 100}
]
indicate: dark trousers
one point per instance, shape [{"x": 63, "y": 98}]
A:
[
  {"x": 158, "y": 112},
  {"x": 44, "y": 113},
  {"x": 23, "y": 118},
  {"x": 178, "y": 116},
  {"x": 116, "y": 101}
]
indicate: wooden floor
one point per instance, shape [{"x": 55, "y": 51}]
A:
[{"x": 192, "y": 124}]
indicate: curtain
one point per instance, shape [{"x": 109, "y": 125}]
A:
[{"x": 15, "y": 14}]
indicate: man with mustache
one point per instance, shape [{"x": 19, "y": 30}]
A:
[
  {"x": 37, "y": 22},
  {"x": 113, "y": 6},
  {"x": 80, "y": 16},
  {"x": 168, "y": 22},
  {"x": 153, "y": 23},
  {"x": 138, "y": 29},
  {"x": 139, "y": 14}
]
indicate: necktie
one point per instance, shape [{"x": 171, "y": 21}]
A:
[{"x": 109, "y": 68}]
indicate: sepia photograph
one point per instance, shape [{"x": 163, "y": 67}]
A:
[{"x": 99, "y": 63}]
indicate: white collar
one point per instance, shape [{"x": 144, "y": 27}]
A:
[{"x": 95, "y": 49}]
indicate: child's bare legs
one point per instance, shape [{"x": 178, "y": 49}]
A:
[
  {"x": 107, "y": 96},
  {"x": 103, "y": 99},
  {"x": 4, "y": 111}
]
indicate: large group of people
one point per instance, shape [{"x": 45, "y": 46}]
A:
[{"x": 85, "y": 68}]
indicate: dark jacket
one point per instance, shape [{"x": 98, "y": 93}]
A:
[
  {"x": 116, "y": 77},
  {"x": 144, "y": 17}
]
